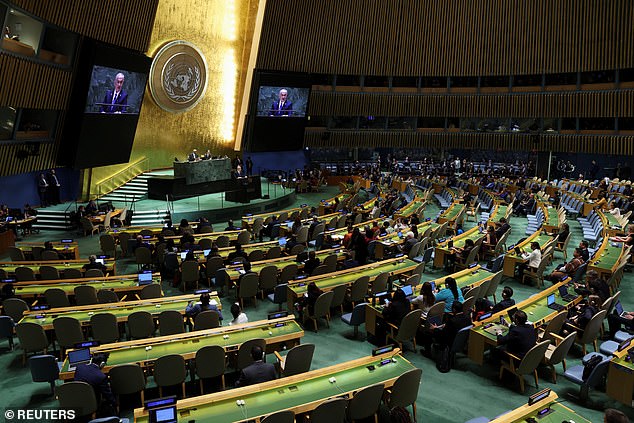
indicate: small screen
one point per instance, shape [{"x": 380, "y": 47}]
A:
[
  {"x": 619, "y": 308},
  {"x": 511, "y": 247},
  {"x": 623, "y": 345},
  {"x": 145, "y": 278},
  {"x": 115, "y": 91},
  {"x": 100, "y": 261},
  {"x": 206, "y": 252},
  {"x": 551, "y": 299},
  {"x": 282, "y": 101},
  {"x": 183, "y": 255},
  {"x": 485, "y": 316},
  {"x": 563, "y": 291},
  {"x": 282, "y": 242},
  {"x": 67, "y": 241},
  {"x": 433, "y": 285},
  {"x": 407, "y": 289},
  {"x": 382, "y": 350},
  {"x": 277, "y": 315}
]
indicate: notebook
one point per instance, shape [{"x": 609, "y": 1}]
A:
[
  {"x": 76, "y": 357},
  {"x": 550, "y": 300},
  {"x": 145, "y": 278}
]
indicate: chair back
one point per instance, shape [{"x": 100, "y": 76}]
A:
[
  {"x": 56, "y": 298},
  {"x": 555, "y": 325},
  {"x": 170, "y": 323},
  {"x": 44, "y": 368},
  {"x": 358, "y": 314},
  {"x": 78, "y": 396},
  {"x": 297, "y": 249},
  {"x": 288, "y": 273},
  {"x": 365, "y": 402},
  {"x": 244, "y": 237},
  {"x": 49, "y": 273},
  {"x": 593, "y": 327},
  {"x": 597, "y": 375},
  {"x": 415, "y": 250},
  {"x": 150, "y": 291},
  {"x": 107, "y": 296},
  {"x": 256, "y": 255},
  {"x": 85, "y": 295},
  {"x": 213, "y": 264},
  {"x": 280, "y": 293},
  {"x": 561, "y": 351},
  {"x": 495, "y": 282},
  {"x": 108, "y": 245},
  {"x": 473, "y": 292},
  {"x": 460, "y": 341},
  {"x": 68, "y": 331},
  {"x": 141, "y": 325},
  {"x": 580, "y": 272},
  {"x": 124, "y": 237},
  {"x": 170, "y": 370},
  {"x": 16, "y": 254},
  {"x": 93, "y": 273},
  {"x": 331, "y": 262},
  {"x": 497, "y": 264},
  {"x": 48, "y": 255},
  {"x": 222, "y": 241},
  {"x": 298, "y": 359},
  {"x": 248, "y": 286},
  {"x": 24, "y": 273},
  {"x": 339, "y": 295},
  {"x": 143, "y": 255},
  {"x": 468, "y": 304},
  {"x": 71, "y": 273},
  {"x": 319, "y": 270},
  {"x": 436, "y": 310},
  {"x": 302, "y": 235},
  {"x": 207, "y": 319},
  {"x": 268, "y": 278},
  {"x": 15, "y": 308},
  {"x": 32, "y": 337},
  {"x": 359, "y": 289},
  {"x": 405, "y": 389},
  {"x": 322, "y": 304},
  {"x": 379, "y": 284},
  {"x": 105, "y": 328},
  {"x": 210, "y": 361},
  {"x": 244, "y": 358},
  {"x": 274, "y": 252},
  {"x": 533, "y": 357},
  {"x": 286, "y": 416},
  {"x": 36, "y": 251},
  {"x": 413, "y": 280},
  {"x": 409, "y": 326},
  {"x": 126, "y": 379},
  {"x": 190, "y": 271},
  {"x": 330, "y": 411}
]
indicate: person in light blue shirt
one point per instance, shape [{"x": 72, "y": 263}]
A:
[{"x": 450, "y": 294}]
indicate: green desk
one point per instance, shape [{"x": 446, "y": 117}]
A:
[
  {"x": 499, "y": 211},
  {"x": 559, "y": 413},
  {"x": 247, "y": 221},
  {"x": 327, "y": 282},
  {"x": 451, "y": 214},
  {"x": 117, "y": 284},
  {"x": 443, "y": 250},
  {"x": 410, "y": 208},
  {"x": 264, "y": 246},
  {"x": 511, "y": 259},
  {"x": 392, "y": 240},
  {"x": 535, "y": 308},
  {"x": 66, "y": 251},
  {"x": 120, "y": 310},
  {"x": 607, "y": 258},
  {"x": 328, "y": 205},
  {"x": 551, "y": 219},
  {"x": 10, "y": 266},
  {"x": 612, "y": 224},
  {"x": 336, "y": 235},
  {"x": 287, "y": 332},
  {"x": 300, "y": 393}
]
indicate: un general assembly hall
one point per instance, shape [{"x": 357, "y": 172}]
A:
[{"x": 384, "y": 211}]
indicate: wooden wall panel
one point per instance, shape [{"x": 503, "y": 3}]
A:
[
  {"x": 549, "y": 105},
  {"x": 126, "y": 23},
  {"x": 593, "y": 144},
  {"x": 447, "y": 37}
]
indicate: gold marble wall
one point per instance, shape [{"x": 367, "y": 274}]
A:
[{"x": 223, "y": 31}]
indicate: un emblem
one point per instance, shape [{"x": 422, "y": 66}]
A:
[{"x": 178, "y": 77}]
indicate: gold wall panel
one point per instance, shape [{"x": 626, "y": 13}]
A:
[
  {"x": 448, "y": 37},
  {"x": 222, "y": 30}
]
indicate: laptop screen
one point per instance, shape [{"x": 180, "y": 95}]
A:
[
  {"x": 485, "y": 316},
  {"x": 618, "y": 307},
  {"x": 183, "y": 255},
  {"x": 563, "y": 291},
  {"x": 550, "y": 299},
  {"x": 206, "y": 252},
  {"x": 163, "y": 415},
  {"x": 78, "y": 356},
  {"x": 282, "y": 242},
  {"x": 518, "y": 251},
  {"x": 145, "y": 278},
  {"x": 407, "y": 289},
  {"x": 100, "y": 261}
]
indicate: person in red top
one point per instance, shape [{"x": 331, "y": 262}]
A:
[{"x": 567, "y": 269}]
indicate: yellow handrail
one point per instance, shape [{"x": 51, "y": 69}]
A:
[{"x": 126, "y": 174}]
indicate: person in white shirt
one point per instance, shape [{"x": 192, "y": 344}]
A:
[
  {"x": 534, "y": 258},
  {"x": 238, "y": 315}
]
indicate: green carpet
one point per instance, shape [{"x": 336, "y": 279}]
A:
[{"x": 465, "y": 392}]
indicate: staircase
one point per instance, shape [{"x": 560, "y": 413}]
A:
[
  {"x": 131, "y": 191},
  {"x": 149, "y": 217},
  {"x": 53, "y": 219}
]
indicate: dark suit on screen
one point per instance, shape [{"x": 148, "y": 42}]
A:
[
  {"x": 121, "y": 100},
  {"x": 257, "y": 372},
  {"x": 284, "y": 109}
]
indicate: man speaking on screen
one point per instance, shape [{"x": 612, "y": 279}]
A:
[
  {"x": 116, "y": 99},
  {"x": 283, "y": 107}
]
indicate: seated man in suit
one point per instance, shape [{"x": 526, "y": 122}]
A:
[
  {"x": 92, "y": 374},
  {"x": 92, "y": 264},
  {"x": 521, "y": 337},
  {"x": 257, "y": 372},
  {"x": 193, "y": 156},
  {"x": 507, "y": 300},
  {"x": 312, "y": 263}
]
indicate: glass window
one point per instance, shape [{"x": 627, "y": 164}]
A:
[
  {"x": 597, "y": 77},
  {"x": 375, "y": 81},
  {"x": 23, "y": 35},
  {"x": 403, "y": 123},
  {"x": 561, "y": 79},
  {"x": 567, "y": 124},
  {"x": 373, "y": 122},
  {"x": 495, "y": 81},
  {"x": 344, "y": 122},
  {"x": 527, "y": 80},
  {"x": 626, "y": 75},
  {"x": 317, "y": 121},
  {"x": 434, "y": 82},
  {"x": 36, "y": 124},
  {"x": 58, "y": 46},
  {"x": 321, "y": 79},
  {"x": 596, "y": 124},
  {"x": 464, "y": 81},
  {"x": 7, "y": 122},
  {"x": 524, "y": 125},
  {"x": 431, "y": 122},
  {"x": 626, "y": 124},
  {"x": 348, "y": 80},
  {"x": 405, "y": 81}
]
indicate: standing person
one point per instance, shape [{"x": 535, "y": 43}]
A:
[
  {"x": 282, "y": 107},
  {"x": 116, "y": 99},
  {"x": 249, "y": 164},
  {"x": 42, "y": 189},
  {"x": 193, "y": 156},
  {"x": 237, "y": 161},
  {"x": 53, "y": 187}
]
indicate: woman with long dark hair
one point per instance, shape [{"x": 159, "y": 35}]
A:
[{"x": 450, "y": 294}]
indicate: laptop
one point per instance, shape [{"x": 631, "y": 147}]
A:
[
  {"x": 518, "y": 251},
  {"x": 163, "y": 414},
  {"x": 550, "y": 300},
  {"x": 434, "y": 320},
  {"x": 619, "y": 309},
  {"x": 145, "y": 278},
  {"x": 450, "y": 244},
  {"x": 183, "y": 255},
  {"x": 76, "y": 357},
  {"x": 100, "y": 261},
  {"x": 206, "y": 252},
  {"x": 282, "y": 242},
  {"x": 563, "y": 293},
  {"x": 407, "y": 289}
]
